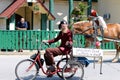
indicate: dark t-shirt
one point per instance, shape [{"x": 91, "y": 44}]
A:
[
  {"x": 22, "y": 25},
  {"x": 64, "y": 37}
]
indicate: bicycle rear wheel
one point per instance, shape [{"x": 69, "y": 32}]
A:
[
  {"x": 73, "y": 68},
  {"x": 26, "y": 70}
]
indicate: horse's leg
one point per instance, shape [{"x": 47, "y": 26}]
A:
[
  {"x": 116, "y": 58},
  {"x": 99, "y": 59},
  {"x": 87, "y": 43}
]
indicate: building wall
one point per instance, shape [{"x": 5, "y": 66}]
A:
[
  {"x": 36, "y": 22},
  {"x": 2, "y": 24},
  {"x": 61, "y": 10},
  {"x": 27, "y": 14},
  {"x": 102, "y": 6},
  {"x": 112, "y": 7},
  {"x": 3, "y": 5}
]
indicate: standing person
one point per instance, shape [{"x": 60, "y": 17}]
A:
[
  {"x": 21, "y": 25},
  {"x": 65, "y": 35}
]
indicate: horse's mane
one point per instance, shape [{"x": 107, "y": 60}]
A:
[{"x": 80, "y": 22}]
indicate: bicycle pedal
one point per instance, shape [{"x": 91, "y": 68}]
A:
[
  {"x": 52, "y": 68},
  {"x": 49, "y": 73}
]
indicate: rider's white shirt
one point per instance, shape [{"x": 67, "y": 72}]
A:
[{"x": 102, "y": 22}]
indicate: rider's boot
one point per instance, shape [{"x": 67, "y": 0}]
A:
[{"x": 116, "y": 58}]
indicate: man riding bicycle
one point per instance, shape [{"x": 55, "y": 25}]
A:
[{"x": 65, "y": 35}]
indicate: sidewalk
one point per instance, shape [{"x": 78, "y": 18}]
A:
[
  {"x": 111, "y": 71},
  {"x": 25, "y": 52},
  {"x": 28, "y": 52}
]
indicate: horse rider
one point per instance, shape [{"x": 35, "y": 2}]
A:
[{"x": 99, "y": 20}]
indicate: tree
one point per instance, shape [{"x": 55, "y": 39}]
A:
[{"x": 79, "y": 12}]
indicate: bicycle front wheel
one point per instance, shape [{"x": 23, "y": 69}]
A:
[
  {"x": 26, "y": 70},
  {"x": 60, "y": 66},
  {"x": 73, "y": 68}
]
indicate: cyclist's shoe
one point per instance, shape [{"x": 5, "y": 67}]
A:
[
  {"x": 49, "y": 74},
  {"x": 50, "y": 70}
]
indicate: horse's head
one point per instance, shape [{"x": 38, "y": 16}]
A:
[{"x": 82, "y": 27}]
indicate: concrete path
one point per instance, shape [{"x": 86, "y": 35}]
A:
[{"x": 111, "y": 71}]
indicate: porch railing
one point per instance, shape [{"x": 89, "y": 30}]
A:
[{"x": 30, "y": 40}]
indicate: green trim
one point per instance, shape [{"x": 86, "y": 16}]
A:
[
  {"x": 7, "y": 24},
  {"x": 70, "y": 10},
  {"x": 12, "y": 20},
  {"x": 90, "y": 7},
  {"x": 44, "y": 21},
  {"x": 51, "y": 9},
  {"x": 31, "y": 27},
  {"x": 31, "y": 39}
]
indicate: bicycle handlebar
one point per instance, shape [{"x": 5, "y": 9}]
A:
[
  {"x": 43, "y": 43},
  {"x": 46, "y": 43}
]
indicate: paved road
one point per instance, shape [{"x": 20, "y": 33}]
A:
[{"x": 111, "y": 71}]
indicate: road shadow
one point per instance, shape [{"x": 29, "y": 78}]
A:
[
  {"x": 41, "y": 77},
  {"x": 110, "y": 61},
  {"x": 104, "y": 61},
  {"x": 54, "y": 78}
]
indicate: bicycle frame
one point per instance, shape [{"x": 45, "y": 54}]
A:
[
  {"x": 36, "y": 63},
  {"x": 37, "y": 58}
]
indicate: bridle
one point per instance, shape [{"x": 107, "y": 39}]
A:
[{"x": 82, "y": 32}]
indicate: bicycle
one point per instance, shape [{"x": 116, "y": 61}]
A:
[
  {"x": 28, "y": 69},
  {"x": 73, "y": 67}
]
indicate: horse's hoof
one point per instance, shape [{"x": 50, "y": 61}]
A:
[{"x": 115, "y": 60}]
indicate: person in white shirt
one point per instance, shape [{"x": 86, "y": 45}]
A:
[{"x": 99, "y": 21}]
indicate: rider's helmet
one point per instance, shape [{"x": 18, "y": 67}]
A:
[
  {"x": 62, "y": 22},
  {"x": 94, "y": 13}
]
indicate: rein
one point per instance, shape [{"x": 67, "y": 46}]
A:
[{"x": 86, "y": 30}]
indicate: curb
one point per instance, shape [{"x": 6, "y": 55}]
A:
[
  {"x": 26, "y": 52},
  {"x": 20, "y": 53}
]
